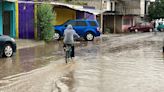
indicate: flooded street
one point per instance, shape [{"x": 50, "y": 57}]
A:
[
  {"x": 130, "y": 65},
  {"x": 29, "y": 58},
  {"x": 116, "y": 63}
]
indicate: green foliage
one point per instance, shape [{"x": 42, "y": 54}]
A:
[
  {"x": 156, "y": 10},
  {"x": 67, "y": 0},
  {"x": 45, "y": 17}
]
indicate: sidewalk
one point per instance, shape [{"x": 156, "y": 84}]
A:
[{"x": 26, "y": 43}]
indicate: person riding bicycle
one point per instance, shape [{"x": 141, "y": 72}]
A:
[{"x": 69, "y": 34}]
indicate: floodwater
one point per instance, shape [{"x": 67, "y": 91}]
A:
[
  {"x": 28, "y": 59},
  {"x": 135, "y": 64},
  {"x": 118, "y": 63}
]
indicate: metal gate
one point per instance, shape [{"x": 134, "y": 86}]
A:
[{"x": 26, "y": 21}]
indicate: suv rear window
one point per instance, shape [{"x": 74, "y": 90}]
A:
[
  {"x": 73, "y": 23},
  {"x": 81, "y": 23},
  {"x": 92, "y": 23}
]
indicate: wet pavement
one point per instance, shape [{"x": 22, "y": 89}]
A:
[
  {"x": 118, "y": 63},
  {"x": 28, "y": 59}
]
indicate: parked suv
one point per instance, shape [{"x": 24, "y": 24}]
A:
[{"x": 88, "y": 29}]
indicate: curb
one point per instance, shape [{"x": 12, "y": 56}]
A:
[{"x": 25, "y": 43}]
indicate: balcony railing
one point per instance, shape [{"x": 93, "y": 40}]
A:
[{"x": 127, "y": 10}]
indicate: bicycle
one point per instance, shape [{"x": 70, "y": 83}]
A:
[{"x": 68, "y": 51}]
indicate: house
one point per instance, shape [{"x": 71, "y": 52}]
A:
[
  {"x": 120, "y": 14},
  {"x": 8, "y": 17},
  {"x": 27, "y": 16},
  {"x": 66, "y": 12}
]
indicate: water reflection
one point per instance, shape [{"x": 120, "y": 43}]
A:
[
  {"x": 30, "y": 58},
  {"x": 163, "y": 56},
  {"x": 8, "y": 63},
  {"x": 69, "y": 81},
  {"x": 133, "y": 67}
]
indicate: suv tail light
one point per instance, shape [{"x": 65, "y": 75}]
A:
[{"x": 98, "y": 29}]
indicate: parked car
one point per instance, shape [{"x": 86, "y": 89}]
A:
[
  {"x": 88, "y": 29},
  {"x": 160, "y": 27},
  {"x": 142, "y": 27},
  {"x": 7, "y": 46}
]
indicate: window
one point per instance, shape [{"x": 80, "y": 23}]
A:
[
  {"x": 73, "y": 23},
  {"x": 111, "y": 6},
  {"x": 81, "y": 23},
  {"x": 126, "y": 22},
  {"x": 92, "y": 23},
  {"x": 143, "y": 24},
  {"x": 147, "y": 24}
]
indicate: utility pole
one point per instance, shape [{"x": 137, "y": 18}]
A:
[
  {"x": 163, "y": 45},
  {"x": 2, "y": 15},
  {"x": 101, "y": 8},
  {"x": 36, "y": 22}
]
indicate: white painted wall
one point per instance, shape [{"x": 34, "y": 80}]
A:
[
  {"x": 142, "y": 8},
  {"x": 108, "y": 4}
]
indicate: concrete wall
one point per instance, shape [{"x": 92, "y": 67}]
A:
[
  {"x": 142, "y": 7},
  {"x": 109, "y": 23},
  {"x": 64, "y": 14},
  {"x": 110, "y": 20},
  {"x": 89, "y": 16},
  {"x": 8, "y": 6},
  {"x": 84, "y": 15},
  {"x": 118, "y": 24},
  {"x": 127, "y": 21}
]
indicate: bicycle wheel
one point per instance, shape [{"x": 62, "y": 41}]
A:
[
  {"x": 68, "y": 53},
  {"x": 66, "y": 56}
]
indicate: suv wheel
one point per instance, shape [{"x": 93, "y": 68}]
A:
[
  {"x": 56, "y": 36},
  {"x": 89, "y": 36},
  {"x": 8, "y": 50}
]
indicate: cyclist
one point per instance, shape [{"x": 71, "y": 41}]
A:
[{"x": 69, "y": 34}]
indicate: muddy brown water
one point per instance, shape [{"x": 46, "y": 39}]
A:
[
  {"x": 27, "y": 59},
  {"x": 132, "y": 63},
  {"x": 30, "y": 58}
]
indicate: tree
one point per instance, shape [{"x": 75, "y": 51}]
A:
[
  {"x": 156, "y": 9},
  {"x": 45, "y": 17}
]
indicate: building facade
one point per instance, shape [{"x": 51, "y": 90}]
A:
[
  {"x": 8, "y": 18},
  {"x": 120, "y": 14}
]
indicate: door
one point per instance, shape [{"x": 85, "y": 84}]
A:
[
  {"x": 6, "y": 23},
  {"x": 142, "y": 27},
  {"x": 26, "y": 21},
  {"x": 80, "y": 27}
]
